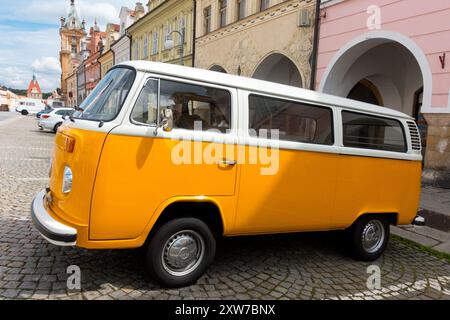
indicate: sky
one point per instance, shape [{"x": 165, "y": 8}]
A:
[{"x": 30, "y": 37}]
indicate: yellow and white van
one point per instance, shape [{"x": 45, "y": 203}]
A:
[{"x": 171, "y": 157}]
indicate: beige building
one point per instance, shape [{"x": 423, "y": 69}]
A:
[
  {"x": 72, "y": 93},
  {"x": 157, "y": 35},
  {"x": 264, "y": 39},
  {"x": 71, "y": 33}
]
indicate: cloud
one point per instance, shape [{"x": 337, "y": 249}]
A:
[
  {"x": 30, "y": 36},
  {"x": 47, "y": 65}
]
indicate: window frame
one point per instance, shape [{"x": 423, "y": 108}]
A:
[
  {"x": 401, "y": 124},
  {"x": 207, "y": 20},
  {"x": 308, "y": 104},
  {"x": 234, "y": 123},
  {"x": 223, "y": 8},
  {"x": 241, "y": 4}
]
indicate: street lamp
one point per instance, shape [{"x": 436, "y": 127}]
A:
[{"x": 169, "y": 44}]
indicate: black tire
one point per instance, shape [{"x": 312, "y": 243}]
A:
[
  {"x": 55, "y": 129},
  {"x": 361, "y": 232},
  {"x": 183, "y": 229},
  {"x": 24, "y": 112}
]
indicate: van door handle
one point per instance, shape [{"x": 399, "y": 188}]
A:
[{"x": 226, "y": 162}]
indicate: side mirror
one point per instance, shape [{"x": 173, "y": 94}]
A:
[{"x": 167, "y": 120}]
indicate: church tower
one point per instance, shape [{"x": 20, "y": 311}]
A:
[{"x": 71, "y": 32}]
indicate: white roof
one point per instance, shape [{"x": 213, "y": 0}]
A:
[{"x": 260, "y": 86}]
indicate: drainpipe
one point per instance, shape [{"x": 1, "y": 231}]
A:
[
  {"x": 315, "y": 50},
  {"x": 194, "y": 33}
]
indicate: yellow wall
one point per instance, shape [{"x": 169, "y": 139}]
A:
[
  {"x": 161, "y": 18},
  {"x": 106, "y": 62}
]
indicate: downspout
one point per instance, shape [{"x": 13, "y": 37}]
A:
[
  {"x": 314, "y": 53},
  {"x": 194, "y": 33}
]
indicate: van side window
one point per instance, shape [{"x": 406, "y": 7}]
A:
[
  {"x": 195, "y": 105},
  {"x": 295, "y": 121},
  {"x": 146, "y": 107},
  {"x": 371, "y": 132}
]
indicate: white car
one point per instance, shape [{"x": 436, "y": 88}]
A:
[
  {"x": 54, "y": 119},
  {"x": 29, "y": 106}
]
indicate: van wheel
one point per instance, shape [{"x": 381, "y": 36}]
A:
[
  {"x": 55, "y": 129},
  {"x": 24, "y": 112},
  {"x": 180, "y": 252},
  {"x": 369, "y": 237}
]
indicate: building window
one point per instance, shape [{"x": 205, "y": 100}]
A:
[
  {"x": 264, "y": 4},
  {"x": 207, "y": 21},
  {"x": 146, "y": 46},
  {"x": 223, "y": 13},
  {"x": 240, "y": 9},
  {"x": 371, "y": 132},
  {"x": 155, "y": 43},
  {"x": 182, "y": 29},
  {"x": 295, "y": 121},
  {"x": 168, "y": 35}
]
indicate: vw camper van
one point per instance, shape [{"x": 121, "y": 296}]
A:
[{"x": 171, "y": 158}]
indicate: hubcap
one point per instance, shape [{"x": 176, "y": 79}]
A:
[
  {"x": 373, "y": 236},
  {"x": 183, "y": 253}
]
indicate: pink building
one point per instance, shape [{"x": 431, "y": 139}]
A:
[{"x": 394, "y": 53}]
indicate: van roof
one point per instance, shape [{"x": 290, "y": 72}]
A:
[{"x": 260, "y": 86}]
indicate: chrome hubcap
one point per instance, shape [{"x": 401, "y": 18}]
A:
[
  {"x": 183, "y": 253},
  {"x": 373, "y": 236}
]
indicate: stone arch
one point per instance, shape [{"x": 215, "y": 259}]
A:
[{"x": 278, "y": 67}]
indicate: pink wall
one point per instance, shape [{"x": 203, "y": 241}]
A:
[{"x": 426, "y": 23}]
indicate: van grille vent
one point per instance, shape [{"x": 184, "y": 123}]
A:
[{"x": 415, "y": 136}]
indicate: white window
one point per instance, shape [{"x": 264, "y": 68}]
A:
[
  {"x": 182, "y": 28},
  {"x": 145, "y": 46},
  {"x": 155, "y": 42}
]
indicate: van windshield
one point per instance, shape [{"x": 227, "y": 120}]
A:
[{"x": 105, "y": 102}]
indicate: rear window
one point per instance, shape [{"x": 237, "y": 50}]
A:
[{"x": 372, "y": 132}]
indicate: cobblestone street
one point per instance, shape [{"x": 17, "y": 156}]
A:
[{"x": 306, "y": 266}]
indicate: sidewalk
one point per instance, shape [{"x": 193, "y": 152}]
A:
[{"x": 435, "y": 208}]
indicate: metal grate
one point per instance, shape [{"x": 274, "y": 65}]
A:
[{"x": 415, "y": 136}]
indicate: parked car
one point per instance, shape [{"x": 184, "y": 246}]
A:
[
  {"x": 29, "y": 106},
  {"x": 55, "y": 104},
  {"x": 54, "y": 119},
  {"x": 47, "y": 110}
]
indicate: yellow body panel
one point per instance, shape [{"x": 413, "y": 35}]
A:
[{"x": 121, "y": 185}]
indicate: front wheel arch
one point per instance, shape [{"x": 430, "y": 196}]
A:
[{"x": 206, "y": 211}]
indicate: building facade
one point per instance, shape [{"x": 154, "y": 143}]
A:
[
  {"x": 71, "y": 33},
  {"x": 106, "y": 59},
  {"x": 92, "y": 64},
  {"x": 393, "y": 53},
  {"x": 270, "y": 40},
  {"x": 121, "y": 47},
  {"x": 81, "y": 84},
  {"x": 167, "y": 21},
  {"x": 72, "y": 89},
  {"x": 34, "y": 89}
]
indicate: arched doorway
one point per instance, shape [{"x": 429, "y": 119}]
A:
[
  {"x": 366, "y": 91},
  {"x": 279, "y": 68},
  {"x": 385, "y": 63},
  {"x": 217, "y": 68}
]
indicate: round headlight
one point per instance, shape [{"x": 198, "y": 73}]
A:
[{"x": 67, "y": 180}]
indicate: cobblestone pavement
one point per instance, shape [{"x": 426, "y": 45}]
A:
[{"x": 308, "y": 266}]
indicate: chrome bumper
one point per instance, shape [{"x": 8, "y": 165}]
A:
[{"x": 53, "y": 231}]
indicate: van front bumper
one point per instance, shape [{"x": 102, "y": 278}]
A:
[{"x": 53, "y": 231}]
